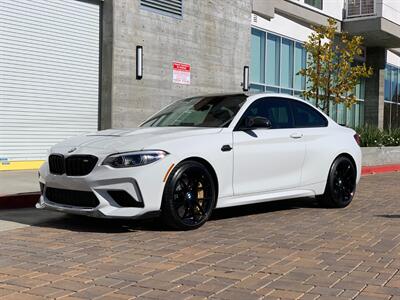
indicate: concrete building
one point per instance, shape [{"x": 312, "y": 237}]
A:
[{"x": 70, "y": 66}]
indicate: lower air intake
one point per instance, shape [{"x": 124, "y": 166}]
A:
[{"x": 72, "y": 198}]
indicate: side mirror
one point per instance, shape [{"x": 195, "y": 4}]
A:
[{"x": 257, "y": 122}]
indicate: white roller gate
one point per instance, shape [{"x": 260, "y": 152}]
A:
[{"x": 49, "y": 74}]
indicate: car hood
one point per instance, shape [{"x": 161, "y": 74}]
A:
[{"x": 132, "y": 139}]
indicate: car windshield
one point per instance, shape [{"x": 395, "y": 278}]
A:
[{"x": 206, "y": 111}]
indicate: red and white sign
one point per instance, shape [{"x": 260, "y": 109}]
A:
[{"x": 180, "y": 73}]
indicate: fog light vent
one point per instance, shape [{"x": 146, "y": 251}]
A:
[{"x": 123, "y": 199}]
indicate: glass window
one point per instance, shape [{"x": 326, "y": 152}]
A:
[
  {"x": 360, "y": 89},
  {"x": 361, "y": 104},
  {"x": 299, "y": 94},
  {"x": 256, "y": 88},
  {"x": 341, "y": 114},
  {"x": 276, "y": 61},
  {"x": 307, "y": 116},
  {"x": 357, "y": 115},
  {"x": 350, "y": 118},
  {"x": 271, "y": 89},
  {"x": 210, "y": 111},
  {"x": 286, "y": 91},
  {"x": 257, "y": 67},
  {"x": 393, "y": 76},
  {"x": 332, "y": 110},
  {"x": 398, "y": 85},
  {"x": 287, "y": 64},
  {"x": 392, "y": 83},
  {"x": 315, "y": 3},
  {"x": 299, "y": 63},
  {"x": 273, "y": 59},
  {"x": 387, "y": 83},
  {"x": 276, "y": 110}
]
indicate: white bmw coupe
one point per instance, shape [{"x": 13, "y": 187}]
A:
[{"x": 202, "y": 153}]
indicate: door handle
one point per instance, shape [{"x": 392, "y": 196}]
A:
[
  {"x": 296, "y": 135},
  {"x": 226, "y": 148}
]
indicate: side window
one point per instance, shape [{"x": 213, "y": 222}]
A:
[
  {"x": 274, "y": 109},
  {"x": 306, "y": 116}
]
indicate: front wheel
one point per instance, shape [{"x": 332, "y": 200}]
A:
[
  {"x": 341, "y": 184},
  {"x": 189, "y": 196}
]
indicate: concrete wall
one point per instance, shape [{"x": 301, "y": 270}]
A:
[
  {"x": 375, "y": 156},
  {"x": 374, "y": 87},
  {"x": 393, "y": 58},
  {"x": 213, "y": 37},
  {"x": 390, "y": 10}
]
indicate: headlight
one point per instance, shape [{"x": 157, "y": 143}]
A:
[{"x": 134, "y": 159}]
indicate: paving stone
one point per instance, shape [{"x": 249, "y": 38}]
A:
[
  {"x": 237, "y": 294},
  {"x": 290, "y": 285},
  {"x": 134, "y": 290},
  {"x": 287, "y": 250},
  {"x": 4, "y": 292},
  {"x": 94, "y": 292},
  {"x": 68, "y": 284}
]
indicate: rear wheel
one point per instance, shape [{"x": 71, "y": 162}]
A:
[
  {"x": 341, "y": 184},
  {"x": 189, "y": 196}
]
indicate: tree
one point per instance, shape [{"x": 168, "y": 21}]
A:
[{"x": 331, "y": 71}]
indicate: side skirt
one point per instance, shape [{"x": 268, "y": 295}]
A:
[{"x": 264, "y": 197}]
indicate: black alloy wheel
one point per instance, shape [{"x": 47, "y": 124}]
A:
[
  {"x": 341, "y": 184},
  {"x": 189, "y": 196}
]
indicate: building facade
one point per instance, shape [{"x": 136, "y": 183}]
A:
[
  {"x": 71, "y": 66},
  {"x": 279, "y": 28}
]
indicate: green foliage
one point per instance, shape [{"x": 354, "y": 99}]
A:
[
  {"x": 374, "y": 137},
  {"x": 330, "y": 70}
]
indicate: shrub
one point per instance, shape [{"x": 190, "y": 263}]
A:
[{"x": 374, "y": 137}]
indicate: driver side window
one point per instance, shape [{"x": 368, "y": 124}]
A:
[{"x": 276, "y": 110}]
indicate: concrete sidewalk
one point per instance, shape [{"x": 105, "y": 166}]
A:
[
  {"x": 18, "y": 189},
  {"x": 24, "y": 217},
  {"x": 17, "y": 182}
]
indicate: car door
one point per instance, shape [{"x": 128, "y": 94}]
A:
[
  {"x": 313, "y": 125},
  {"x": 267, "y": 159}
]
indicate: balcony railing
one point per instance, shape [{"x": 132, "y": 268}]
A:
[{"x": 360, "y": 8}]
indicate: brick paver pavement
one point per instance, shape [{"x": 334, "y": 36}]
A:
[{"x": 285, "y": 250}]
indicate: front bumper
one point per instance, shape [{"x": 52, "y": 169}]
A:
[
  {"x": 145, "y": 185},
  {"x": 95, "y": 213}
]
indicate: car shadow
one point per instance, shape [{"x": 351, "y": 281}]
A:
[
  {"x": 58, "y": 220},
  {"x": 389, "y": 216},
  {"x": 264, "y": 207}
]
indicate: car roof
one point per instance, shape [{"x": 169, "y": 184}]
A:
[
  {"x": 220, "y": 95},
  {"x": 254, "y": 96},
  {"x": 251, "y": 95},
  {"x": 274, "y": 95}
]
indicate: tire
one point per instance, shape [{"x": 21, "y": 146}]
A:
[
  {"x": 341, "y": 184},
  {"x": 189, "y": 196}
]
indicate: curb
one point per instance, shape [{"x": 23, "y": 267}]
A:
[
  {"x": 370, "y": 170},
  {"x": 27, "y": 200},
  {"x": 23, "y": 200}
]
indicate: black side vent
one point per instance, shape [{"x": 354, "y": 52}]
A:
[
  {"x": 123, "y": 199},
  {"x": 168, "y": 7}
]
